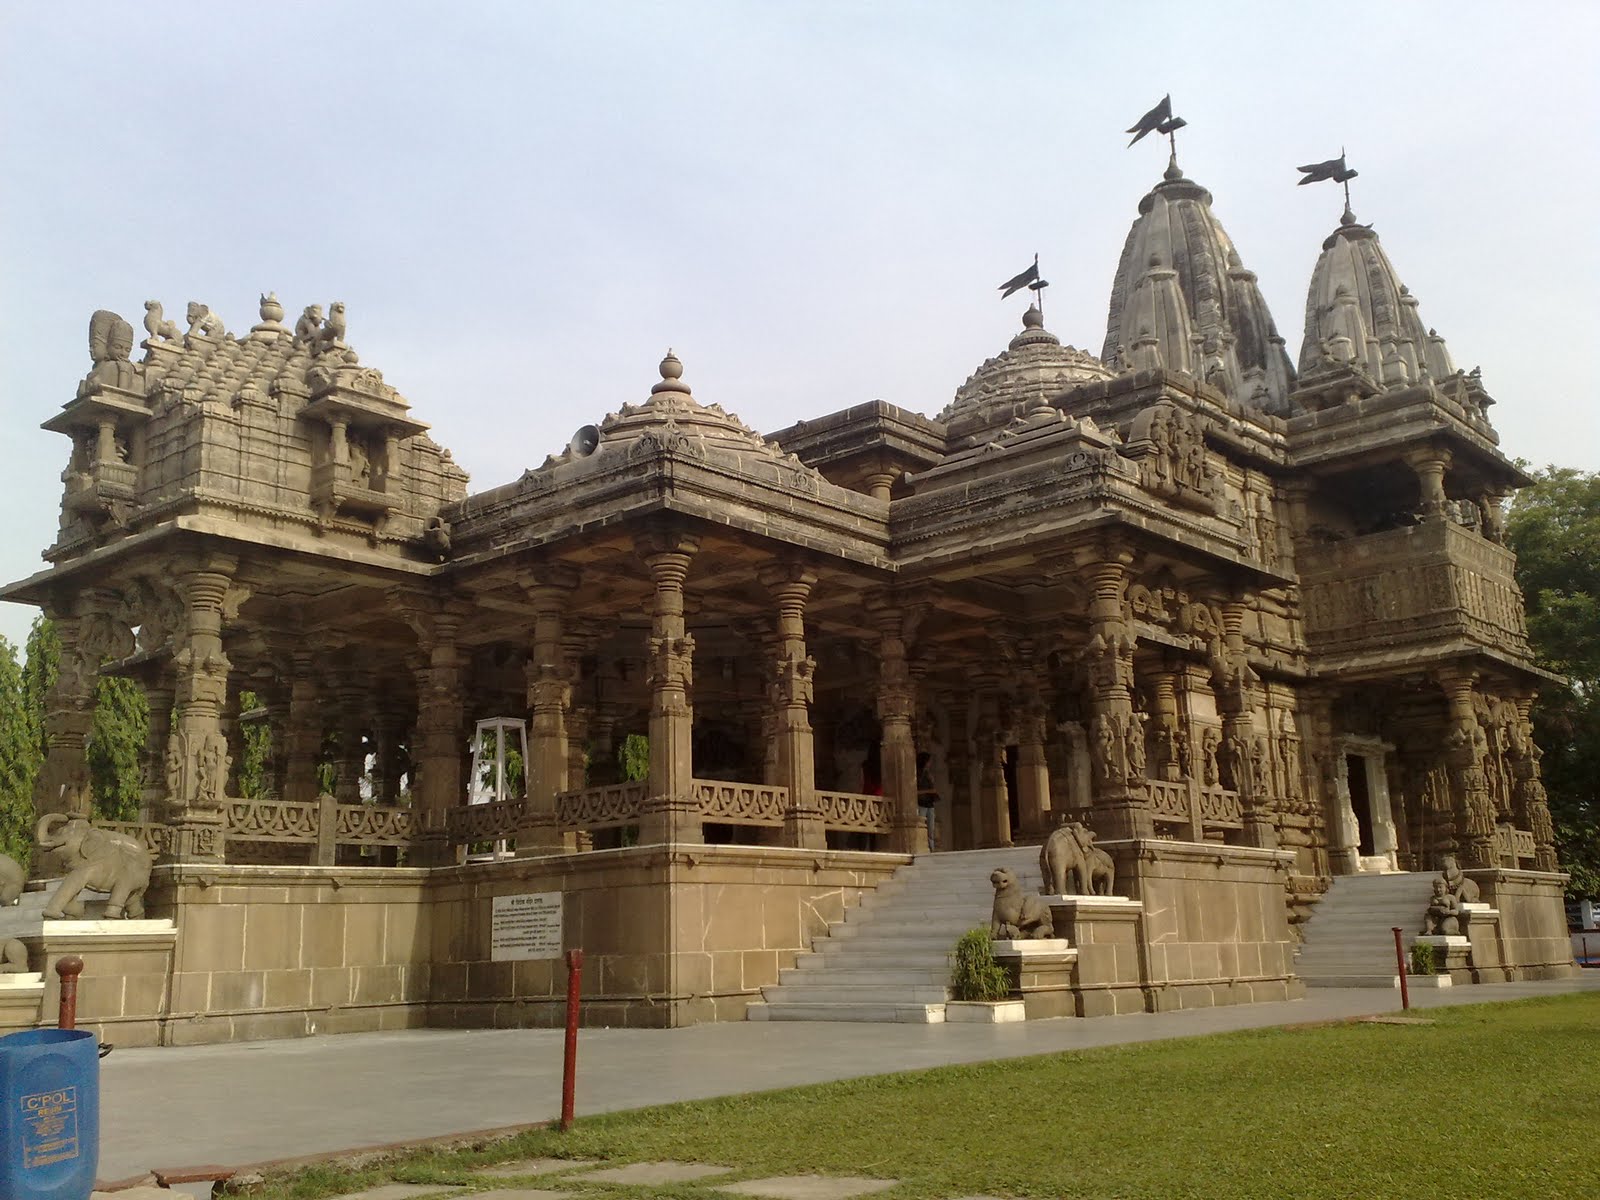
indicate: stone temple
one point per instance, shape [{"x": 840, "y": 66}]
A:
[{"x": 1249, "y": 619}]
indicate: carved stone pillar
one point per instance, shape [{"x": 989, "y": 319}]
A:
[
  {"x": 233, "y": 730},
  {"x": 1430, "y": 464},
  {"x": 1116, "y": 732},
  {"x": 670, "y": 814},
  {"x": 62, "y": 784},
  {"x": 302, "y": 730},
  {"x": 602, "y": 740},
  {"x": 440, "y": 674},
  {"x": 790, "y": 585},
  {"x": 1245, "y": 749},
  {"x": 1465, "y": 746},
  {"x": 1167, "y": 761},
  {"x": 158, "y": 692},
  {"x": 1033, "y": 768},
  {"x": 963, "y": 833},
  {"x": 1533, "y": 807},
  {"x": 989, "y": 744},
  {"x": 197, "y": 749},
  {"x": 389, "y": 760},
  {"x": 896, "y": 708},
  {"x": 351, "y": 764},
  {"x": 549, "y": 694},
  {"x": 275, "y": 769}
]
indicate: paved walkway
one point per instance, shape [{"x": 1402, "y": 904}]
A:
[{"x": 258, "y": 1101}]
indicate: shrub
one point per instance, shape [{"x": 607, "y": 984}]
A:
[
  {"x": 1424, "y": 961},
  {"x": 974, "y": 974}
]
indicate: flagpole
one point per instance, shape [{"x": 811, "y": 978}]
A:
[{"x": 1038, "y": 293}]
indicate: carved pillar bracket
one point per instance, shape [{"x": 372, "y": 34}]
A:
[
  {"x": 1466, "y": 745},
  {"x": 549, "y": 589},
  {"x": 790, "y": 584},
  {"x": 198, "y": 761},
  {"x": 896, "y": 709},
  {"x": 670, "y": 815}
]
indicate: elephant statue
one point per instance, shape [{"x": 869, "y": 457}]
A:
[
  {"x": 1061, "y": 864},
  {"x": 12, "y": 877},
  {"x": 98, "y": 859}
]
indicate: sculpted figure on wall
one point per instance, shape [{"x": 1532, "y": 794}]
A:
[
  {"x": 98, "y": 859},
  {"x": 1016, "y": 913}
]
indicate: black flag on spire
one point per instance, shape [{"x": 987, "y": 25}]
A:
[
  {"x": 1026, "y": 279},
  {"x": 1333, "y": 169},
  {"x": 1158, "y": 120}
]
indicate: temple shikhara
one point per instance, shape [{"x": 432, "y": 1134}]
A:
[{"x": 1243, "y": 625}]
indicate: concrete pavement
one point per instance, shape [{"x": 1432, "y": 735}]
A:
[{"x": 258, "y": 1101}]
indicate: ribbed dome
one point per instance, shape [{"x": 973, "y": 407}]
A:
[
  {"x": 1183, "y": 301},
  {"x": 1359, "y": 313},
  {"x": 1034, "y": 368}
]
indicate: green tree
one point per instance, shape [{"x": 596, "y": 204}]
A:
[
  {"x": 19, "y": 758},
  {"x": 252, "y": 772},
  {"x": 1554, "y": 526},
  {"x": 115, "y": 744},
  {"x": 39, "y": 670},
  {"x": 633, "y": 757}
]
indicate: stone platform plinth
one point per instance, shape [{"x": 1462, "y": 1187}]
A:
[
  {"x": 1519, "y": 928},
  {"x": 122, "y": 993},
  {"x": 1041, "y": 970}
]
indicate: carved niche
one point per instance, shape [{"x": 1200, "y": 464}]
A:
[{"x": 1168, "y": 443}]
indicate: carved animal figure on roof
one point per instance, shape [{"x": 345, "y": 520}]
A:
[
  {"x": 332, "y": 332},
  {"x": 305, "y": 329},
  {"x": 98, "y": 859},
  {"x": 202, "y": 321},
  {"x": 156, "y": 325},
  {"x": 1017, "y": 914}
]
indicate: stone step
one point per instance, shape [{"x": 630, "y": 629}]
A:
[
  {"x": 888, "y": 959},
  {"x": 1351, "y": 981},
  {"x": 809, "y": 993},
  {"x": 904, "y": 1014},
  {"x": 854, "y": 976}
]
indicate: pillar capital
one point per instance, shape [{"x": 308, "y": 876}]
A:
[{"x": 549, "y": 583}]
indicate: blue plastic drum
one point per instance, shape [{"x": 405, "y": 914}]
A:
[{"x": 49, "y": 1114}]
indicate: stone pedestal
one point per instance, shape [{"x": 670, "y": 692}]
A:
[
  {"x": 21, "y": 996},
  {"x": 1105, "y": 930},
  {"x": 122, "y": 993},
  {"x": 984, "y": 1012},
  {"x": 1450, "y": 955},
  {"x": 1529, "y": 926},
  {"x": 1041, "y": 970}
]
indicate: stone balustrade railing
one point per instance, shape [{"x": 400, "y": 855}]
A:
[
  {"x": 740, "y": 803},
  {"x": 608, "y": 807},
  {"x": 1195, "y": 807},
  {"x": 854, "y": 811}
]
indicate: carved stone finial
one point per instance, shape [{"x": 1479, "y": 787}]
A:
[
  {"x": 1033, "y": 318},
  {"x": 271, "y": 311},
  {"x": 671, "y": 376}
]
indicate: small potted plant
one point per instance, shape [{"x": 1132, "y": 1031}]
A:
[{"x": 981, "y": 986}]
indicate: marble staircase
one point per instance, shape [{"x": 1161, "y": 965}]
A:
[
  {"x": 889, "y": 960},
  {"x": 1349, "y": 940}
]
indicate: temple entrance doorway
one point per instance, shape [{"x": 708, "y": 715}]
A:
[{"x": 1364, "y": 837}]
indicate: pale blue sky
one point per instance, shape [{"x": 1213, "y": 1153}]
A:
[{"x": 524, "y": 205}]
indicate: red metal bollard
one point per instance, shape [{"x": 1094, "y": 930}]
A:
[
  {"x": 569, "y": 1064},
  {"x": 1400, "y": 961},
  {"x": 69, "y": 968}
]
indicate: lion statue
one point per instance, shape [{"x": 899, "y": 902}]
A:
[{"x": 1017, "y": 914}]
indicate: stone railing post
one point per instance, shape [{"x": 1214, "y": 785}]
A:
[
  {"x": 327, "y": 830},
  {"x": 670, "y": 814}
]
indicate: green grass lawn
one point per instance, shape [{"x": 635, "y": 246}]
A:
[{"x": 1488, "y": 1100}]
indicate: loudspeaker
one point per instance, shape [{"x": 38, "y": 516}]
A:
[{"x": 583, "y": 442}]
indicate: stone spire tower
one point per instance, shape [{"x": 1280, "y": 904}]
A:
[
  {"x": 1183, "y": 301},
  {"x": 1359, "y": 315}
]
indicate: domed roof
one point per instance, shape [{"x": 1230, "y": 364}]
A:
[
  {"x": 1034, "y": 369},
  {"x": 1359, "y": 313},
  {"x": 1182, "y": 300}
]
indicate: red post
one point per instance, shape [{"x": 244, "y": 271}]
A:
[
  {"x": 569, "y": 1064},
  {"x": 69, "y": 968},
  {"x": 1400, "y": 961}
]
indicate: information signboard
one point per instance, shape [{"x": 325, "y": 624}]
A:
[{"x": 527, "y": 926}]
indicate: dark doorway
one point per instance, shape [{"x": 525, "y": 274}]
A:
[{"x": 1355, "y": 767}]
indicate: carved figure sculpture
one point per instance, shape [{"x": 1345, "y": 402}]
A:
[
  {"x": 332, "y": 331},
  {"x": 156, "y": 325},
  {"x": 1098, "y": 867},
  {"x": 1061, "y": 863},
  {"x": 1444, "y": 911},
  {"x": 99, "y": 859},
  {"x": 202, "y": 321},
  {"x": 1017, "y": 914},
  {"x": 110, "y": 337},
  {"x": 12, "y": 877},
  {"x": 305, "y": 329},
  {"x": 13, "y": 957},
  {"x": 1463, "y": 889}
]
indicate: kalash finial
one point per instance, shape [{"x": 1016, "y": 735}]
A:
[
  {"x": 1033, "y": 318},
  {"x": 671, "y": 376}
]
